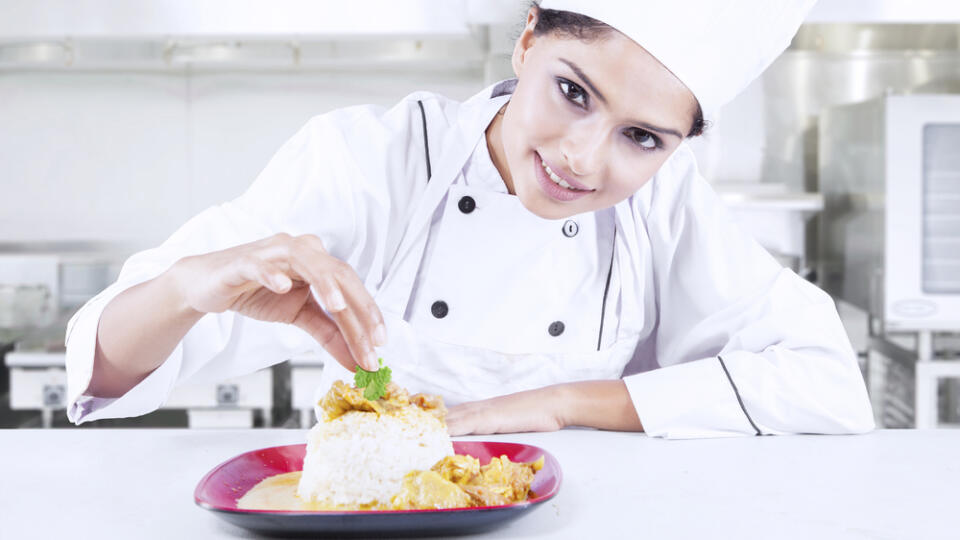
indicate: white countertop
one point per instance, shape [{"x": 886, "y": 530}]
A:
[{"x": 105, "y": 483}]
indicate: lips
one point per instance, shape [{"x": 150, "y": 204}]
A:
[
  {"x": 562, "y": 179},
  {"x": 553, "y": 189}
]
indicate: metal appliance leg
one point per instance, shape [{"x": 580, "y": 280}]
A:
[
  {"x": 926, "y": 383},
  {"x": 876, "y": 383}
]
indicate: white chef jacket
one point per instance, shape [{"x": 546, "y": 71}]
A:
[{"x": 713, "y": 336}]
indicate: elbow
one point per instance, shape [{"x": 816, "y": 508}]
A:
[
  {"x": 850, "y": 410},
  {"x": 857, "y": 411},
  {"x": 855, "y": 419},
  {"x": 825, "y": 395},
  {"x": 862, "y": 418},
  {"x": 844, "y": 417}
]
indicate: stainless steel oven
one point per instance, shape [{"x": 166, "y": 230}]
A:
[
  {"x": 889, "y": 170},
  {"x": 889, "y": 239}
]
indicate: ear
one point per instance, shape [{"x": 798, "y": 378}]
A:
[{"x": 525, "y": 41}]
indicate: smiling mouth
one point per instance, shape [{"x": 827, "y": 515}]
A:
[{"x": 558, "y": 180}]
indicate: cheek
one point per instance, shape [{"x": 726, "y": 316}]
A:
[
  {"x": 537, "y": 117},
  {"x": 630, "y": 173}
]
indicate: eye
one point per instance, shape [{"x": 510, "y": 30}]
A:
[
  {"x": 572, "y": 91},
  {"x": 643, "y": 138}
]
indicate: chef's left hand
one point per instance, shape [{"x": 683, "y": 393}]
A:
[
  {"x": 597, "y": 404},
  {"x": 533, "y": 410}
]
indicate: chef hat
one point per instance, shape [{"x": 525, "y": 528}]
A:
[{"x": 715, "y": 47}]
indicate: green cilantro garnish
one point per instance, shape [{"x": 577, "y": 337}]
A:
[{"x": 374, "y": 383}]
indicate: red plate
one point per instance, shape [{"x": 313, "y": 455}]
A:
[{"x": 221, "y": 487}]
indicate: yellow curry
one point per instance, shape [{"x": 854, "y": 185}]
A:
[{"x": 456, "y": 481}]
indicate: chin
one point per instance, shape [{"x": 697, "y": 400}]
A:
[
  {"x": 544, "y": 213},
  {"x": 538, "y": 204}
]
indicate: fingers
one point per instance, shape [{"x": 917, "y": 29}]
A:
[
  {"x": 327, "y": 292},
  {"x": 315, "y": 322},
  {"x": 472, "y": 418},
  {"x": 254, "y": 272},
  {"x": 340, "y": 291},
  {"x": 357, "y": 338},
  {"x": 457, "y": 422},
  {"x": 361, "y": 322},
  {"x": 526, "y": 411},
  {"x": 309, "y": 262},
  {"x": 272, "y": 277}
]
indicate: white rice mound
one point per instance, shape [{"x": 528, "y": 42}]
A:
[{"x": 360, "y": 458}]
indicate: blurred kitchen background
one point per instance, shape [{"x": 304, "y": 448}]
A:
[{"x": 120, "y": 119}]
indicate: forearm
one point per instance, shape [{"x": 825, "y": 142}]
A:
[
  {"x": 597, "y": 404},
  {"x": 137, "y": 331}
]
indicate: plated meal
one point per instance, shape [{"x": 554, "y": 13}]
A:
[
  {"x": 383, "y": 454},
  {"x": 392, "y": 453}
]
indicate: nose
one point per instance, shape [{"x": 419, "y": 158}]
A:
[{"x": 582, "y": 150}]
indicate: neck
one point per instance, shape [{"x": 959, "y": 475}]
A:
[{"x": 494, "y": 136}]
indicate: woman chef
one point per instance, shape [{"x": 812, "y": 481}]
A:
[{"x": 512, "y": 253}]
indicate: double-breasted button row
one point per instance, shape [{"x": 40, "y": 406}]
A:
[
  {"x": 467, "y": 204},
  {"x": 440, "y": 309}
]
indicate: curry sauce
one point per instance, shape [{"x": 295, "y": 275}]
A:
[{"x": 454, "y": 482}]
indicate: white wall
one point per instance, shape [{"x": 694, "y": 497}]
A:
[{"x": 128, "y": 157}]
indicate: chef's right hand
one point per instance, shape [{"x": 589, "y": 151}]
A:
[{"x": 271, "y": 280}]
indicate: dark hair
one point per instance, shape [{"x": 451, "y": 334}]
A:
[
  {"x": 569, "y": 24},
  {"x": 577, "y": 26}
]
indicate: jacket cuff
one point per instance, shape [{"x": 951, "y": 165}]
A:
[
  {"x": 691, "y": 400},
  {"x": 81, "y": 339}
]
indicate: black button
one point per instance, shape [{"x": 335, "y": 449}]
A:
[
  {"x": 467, "y": 204},
  {"x": 556, "y": 328},
  {"x": 439, "y": 309},
  {"x": 570, "y": 229}
]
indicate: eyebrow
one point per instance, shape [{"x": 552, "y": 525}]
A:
[
  {"x": 576, "y": 69},
  {"x": 645, "y": 125}
]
